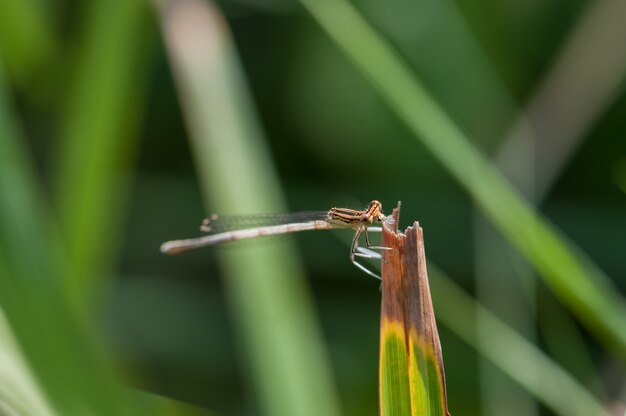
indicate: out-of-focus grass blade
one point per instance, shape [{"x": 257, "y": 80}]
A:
[
  {"x": 553, "y": 125},
  {"x": 412, "y": 380},
  {"x": 514, "y": 355},
  {"x": 155, "y": 405},
  {"x": 19, "y": 392},
  {"x": 27, "y": 39},
  {"x": 569, "y": 272},
  {"x": 63, "y": 358},
  {"x": 98, "y": 137},
  {"x": 264, "y": 282}
]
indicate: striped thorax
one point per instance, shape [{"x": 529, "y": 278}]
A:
[{"x": 354, "y": 218}]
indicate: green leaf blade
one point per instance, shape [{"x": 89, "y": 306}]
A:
[
  {"x": 395, "y": 395},
  {"x": 412, "y": 380}
]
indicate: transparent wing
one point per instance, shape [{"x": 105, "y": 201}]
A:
[{"x": 216, "y": 224}]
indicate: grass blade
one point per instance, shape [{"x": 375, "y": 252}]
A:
[
  {"x": 63, "y": 357},
  {"x": 412, "y": 379},
  {"x": 27, "y": 40},
  {"x": 264, "y": 282},
  {"x": 98, "y": 138},
  {"x": 18, "y": 389},
  {"x": 514, "y": 355}
]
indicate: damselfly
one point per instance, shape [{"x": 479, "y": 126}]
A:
[{"x": 359, "y": 220}]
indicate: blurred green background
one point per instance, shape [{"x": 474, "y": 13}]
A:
[{"x": 124, "y": 122}]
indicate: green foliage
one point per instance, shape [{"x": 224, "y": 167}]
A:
[
  {"x": 80, "y": 218},
  {"x": 68, "y": 367},
  {"x": 573, "y": 277},
  {"x": 49, "y": 336}
]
